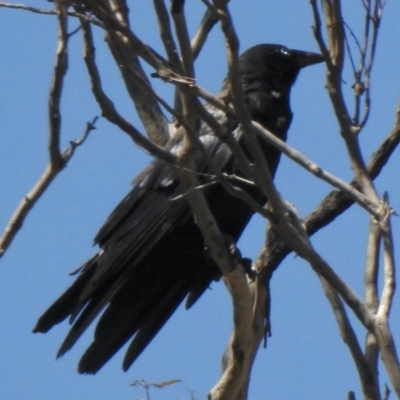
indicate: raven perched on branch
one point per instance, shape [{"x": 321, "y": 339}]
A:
[{"x": 152, "y": 254}]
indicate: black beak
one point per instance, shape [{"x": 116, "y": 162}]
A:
[{"x": 305, "y": 58}]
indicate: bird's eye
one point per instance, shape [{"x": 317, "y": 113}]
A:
[{"x": 285, "y": 51}]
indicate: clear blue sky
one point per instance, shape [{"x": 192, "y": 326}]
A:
[{"x": 305, "y": 358}]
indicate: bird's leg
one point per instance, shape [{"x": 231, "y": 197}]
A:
[{"x": 245, "y": 262}]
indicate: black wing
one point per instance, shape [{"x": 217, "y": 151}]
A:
[{"x": 151, "y": 257}]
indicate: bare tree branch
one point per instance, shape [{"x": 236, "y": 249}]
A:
[
  {"x": 335, "y": 203},
  {"x": 166, "y": 33},
  {"x": 386, "y": 343},
  {"x": 238, "y": 369},
  {"x": 275, "y": 250},
  {"x": 379, "y": 328},
  {"x": 125, "y": 48},
  {"x": 348, "y": 130},
  {"x": 60, "y": 69},
  {"x": 28, "y": 202},
  {"x": 372, "y": 301},
  {"x": 359, "y": 198},
  {"x": 367, "y": 375},
  {"x": 57, "y": 160},
  {"x": 35, "y": 10},
  {"x": 106, "y": 105},
  {"x": 376, "y": 19},
  {"x": 207, "y": 23}
]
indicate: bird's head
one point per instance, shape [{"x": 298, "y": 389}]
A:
[
  {"x": 275, "y": 64},
  {"x": 268, "y": 72}
]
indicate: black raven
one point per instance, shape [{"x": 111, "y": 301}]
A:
[{"x": 152, "y": 254}]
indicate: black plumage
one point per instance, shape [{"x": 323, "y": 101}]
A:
[{"x": 152, "y": 254}]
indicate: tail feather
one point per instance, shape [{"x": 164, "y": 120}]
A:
[
  {"x": 64, "y": 306},
  {"x": 154, "y": 322},
  {"x": 143, "y": 321},
  {"x": 89, "y": 312}
]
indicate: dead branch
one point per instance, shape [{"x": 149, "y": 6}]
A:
[
  {"x": 207, "y": 23},
  {"x": 41, "y": 11},
  {"x": 275, "y": 250},
  {"x": 57, "y": 160},
  {"x": 106, "y": 105},
  {"x": 125, "y": 47},
  {"x": 166, "y": 33},
  {"x": 359, "y": 198},
  {"x": 335, "y": 203},
  {"x": 385, "y": 339},
  {"x": 334, "y": 63},
  {"x": 367, "y": 376},
  {"x": 372, "y": 301}
]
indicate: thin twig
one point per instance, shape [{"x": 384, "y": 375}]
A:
[
  {"x": 35, "y": 10},
  {"x": 58, "y": 160},
  {"x": 348, "y": 130},
  {"x": 74, "y": 144},
  {"x": 182, "y": 33},
  {"x": 361, "y": 68},
  {"x": 366, "y": 374},
  {"x": 376, "y": 20},
  {"x": 335, "y": 202},
  {"x": 207, "y": 23},
  {"x": 386, "y": 393},
  {"x": 166, "y": 32},
  {"x": 358, "y": 197},
  {"x": 60, "y": 70},
  {"x": 34, "y": 195},
  {"x": 386, "y": 343}
]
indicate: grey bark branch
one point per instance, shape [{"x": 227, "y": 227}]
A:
[
  {"x": 106, "y": 105},
  {"x": 334, "y": 57},
  {"x": 372, "y": 302},
  {"x": 349, "y": 130},
  {"x": 125, "y": 48},
  {"x": 368, "y": 381},
  {"x": 384, "y": 336},
  {"x": 58, "y": 160},
  {"x": 207, "y": 23},
  {"x": 166, "y": 32},
  {"x": 41, "y": 11},
  {"x": 275, "y": 250},
  {"x": 241, "y": 354},
  {"x": 372, "y": 207}
]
